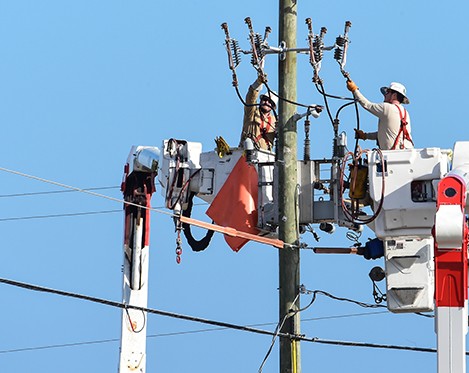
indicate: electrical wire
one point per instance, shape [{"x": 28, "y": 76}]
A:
[
  {"x": 208, "y": 321},
  {"x": 374, "y": 345},
  {"x": 358, "y": 303},
  {"x": 86, "y": 191},
  {"x": 321, "y": 292},
  {"x": 326, "y": 103},
  {"x": 323, "y": 93},
  {"x": 274, "y": 338},
  {"x": 343, "y": 107},
  {"x": 171, "y": 334},
  {"x": 287, "y": 100},
  {"x": 75, "y": 214},
  {"x": 131, "y": 322},
  {"x": 59, "y": 215},
  {"x": 238, "y": 93},
  {"x": 53, "y": 192},
  {"x": 190, "y": 318},
  {"x": 278, "y": 328},
  {"x": 47, "y": 347}
]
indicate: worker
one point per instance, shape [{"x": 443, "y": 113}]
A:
[
  {"x": 259, "y": 123},
  {"x": 394, "y": 120}
]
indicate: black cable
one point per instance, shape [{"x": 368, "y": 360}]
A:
[
  {"x": 320, "y": 87},
  {"x": 242, "y": 99},
  {"x": 357, "y": 113},
  {"x": 272, "y": 343},
  {"x": 285, "y": 99},
  {"x": 323, "y": 93},
  {"x": 189, "y": 318},
  {"x": 131, "y": 323},
  {"x": 196, "y": 245},
  {"x": 210, "y": 322},
  {"x": 278, "y": 328},
  {"x": 374, "y": 345},
  {"x": 342, "y": 107},
  {"x": 144, "y": 309},
  {"x": 326, "y": 103},
  {"x": 321, "y": 292},
  {"x": 361, "y": 304},
  {"x": 238, "y": 93}
]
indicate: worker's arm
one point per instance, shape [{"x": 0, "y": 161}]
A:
[
  {"x": 371, "y": 135},
  {"x": 249, "y": 111},
  {"x": 253, "y": 91},
  {"x": 374, "y": 108}
]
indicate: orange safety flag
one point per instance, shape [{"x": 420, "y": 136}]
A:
[{"x": 235, "y": 205}]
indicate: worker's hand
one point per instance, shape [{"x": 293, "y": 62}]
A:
[
  {"x": 359, "y": 134},
  {"x": 262, "y": 77},
  {"x": 351, "y": 86}
]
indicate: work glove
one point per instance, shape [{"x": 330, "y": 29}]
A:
[
  {"x": 351, "y": 86},
  {"x": 359, "y": 134}
]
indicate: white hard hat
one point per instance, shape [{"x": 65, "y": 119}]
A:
[
  {"x": 398, "y": 87},
  {"x": 272, "y": 96}
]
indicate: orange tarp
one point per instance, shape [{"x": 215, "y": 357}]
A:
[{"x": 235, "y": 205}]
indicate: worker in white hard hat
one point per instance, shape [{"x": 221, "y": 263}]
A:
[
  {"x": 394, "y": 120},
  {"x": 259, "y": 122}
]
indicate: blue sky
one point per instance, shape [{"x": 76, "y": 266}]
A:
[{"x": 83, "y": 81}]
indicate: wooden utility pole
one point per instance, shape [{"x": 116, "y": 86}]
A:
[{"x": 289, "y": 259}]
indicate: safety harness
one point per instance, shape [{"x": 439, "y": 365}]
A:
[
  {"x": 403, "y": 129},
  {"x": 264, "y": 128}
]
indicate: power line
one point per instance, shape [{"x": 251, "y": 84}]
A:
[
  {"x": 60, "y": 215},
  {"x": 174, "y": 315},
  {"x": 85, "y": 191},
  {"x": 25, "y": 349},
  {"x": 74, "y": 214},
  {"x": 171, "y": 334},
  {"x": 53, "y": 192},
  {"x": 75, "y": 189},
  {"x": 213, "y": 322}
]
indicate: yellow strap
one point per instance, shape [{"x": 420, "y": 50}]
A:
[
  {"x": 293, "y": 354},
  {"x": 222, "y": 147}
]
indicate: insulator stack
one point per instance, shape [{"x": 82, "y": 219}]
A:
[
  {"x": 258, "y": 40},
  {"x": 340, "y": 41},
  {"x": 235, "y": 52},
  {"x": 338, "y": 53},
  {"x": 318, "y": 46},
  {"x": 307, "y": 150}
]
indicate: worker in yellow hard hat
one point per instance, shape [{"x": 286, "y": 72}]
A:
[
  {"x": 259, "y": 123},
  {"x": 394, "y": 120}
]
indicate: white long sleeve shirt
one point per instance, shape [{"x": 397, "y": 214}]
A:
[{"x": 388, "y": 124}]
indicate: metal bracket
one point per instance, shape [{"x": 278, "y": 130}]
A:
[{"x": 283, "y": 48}]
